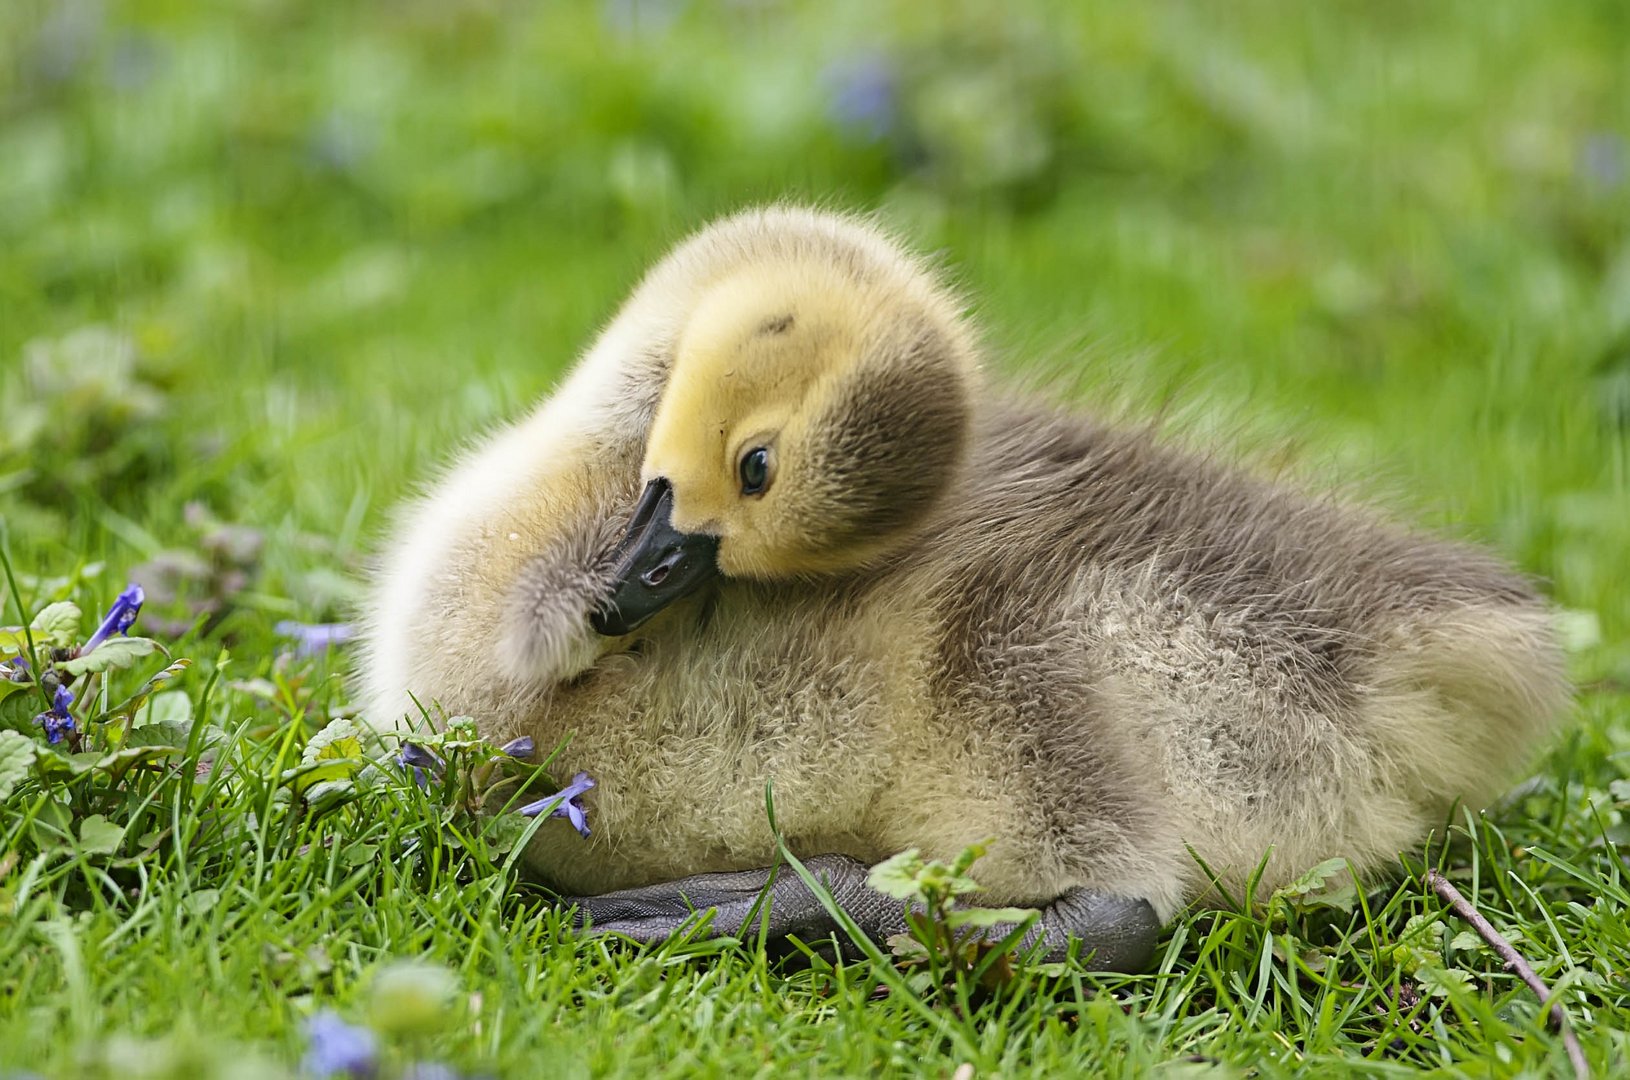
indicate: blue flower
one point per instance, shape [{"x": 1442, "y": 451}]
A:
[
  {"x": 313, "y": 638},
  {"x": 430, "y": 1070},
  {"x": 339, "y": 1049},
  {"x": 563, "y": 803},
  {"x": 519, "y": 748},
  {"x": 420, "y": 760},
  {"x": 1602, "y": 160},
  {"x": 863, "y": 95},
  {"x": 633, "y": 17},
  {"x": 15, "y": 669},
  {"x": 56, "y": 720},
  {"x": 414, "y": 756},
  {"x": 119, "y": 618}
]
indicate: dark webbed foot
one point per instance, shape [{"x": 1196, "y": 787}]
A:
[
  {"x": 737, "y": 898},
  {"x": 1116, "y": 933}
]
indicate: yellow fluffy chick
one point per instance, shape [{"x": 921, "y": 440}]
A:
[{"x": 775, "y": 529}]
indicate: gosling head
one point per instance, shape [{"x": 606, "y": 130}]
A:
[{"x": 812, "y": 418}]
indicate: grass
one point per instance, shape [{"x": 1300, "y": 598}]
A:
[{"x": 1384, "y": 243}]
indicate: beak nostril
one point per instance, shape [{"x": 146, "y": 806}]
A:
[{"x": 668, "y": 564}]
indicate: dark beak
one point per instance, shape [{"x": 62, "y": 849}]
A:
[{"x": 656, "y": 564}]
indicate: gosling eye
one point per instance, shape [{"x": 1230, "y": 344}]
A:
[{"x": 755, "y": 471}]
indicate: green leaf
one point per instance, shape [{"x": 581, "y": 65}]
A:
[
  {"x": 360, "y": 854},
  {"x": 122, "y": 761},
  {"x": 201, "y": 902},
  {"x": 897, "y": 876},
  {"x": 340, "y": 739},
  {"x": 114, "y": 654},
  {"x": 329, "y": 795},
  {"x": 1329, "y": 884},
  {"x": 1423, "y": 929},
  {"x": 17, "y": 711},
  {"x": 1313, "y": 879},
  {"x": 989, "y": 916},
  {"x": 129, "y": 705},
  {"x": 970, "y": 855},
  {"x": 8, "y": 688},
  {"x": 462, "y": 729},
  {"x": 1466, "y": 939},
  {"x": 907, "y": 947},
  {"x": 304, "y": 777},
  {"x": 504, "y": 831},
  {"x": 172, "y": 707},
  {"x": 17, "y": 754},
  {"x": 52, "y": 828},
  {"x": 1440, "y": 982},
  {"x": 49, "y": 762},
  {"x": 56, "y": 625},
  {"x": 100, "y": 836},
  {"x": 163, "y": 734},
  {"x": 13, "y": 642}
]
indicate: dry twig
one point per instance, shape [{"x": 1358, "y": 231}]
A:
[{"x": 1514, "y": 961}]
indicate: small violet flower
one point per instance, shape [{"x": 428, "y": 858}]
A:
[
  {"x": 421, "y": 760},
  {"x": 430, "y": 1070},
  {"x": 519, "y": 748},
  {"x": 120, "y": 617},
  {"x": 313, "y": 638},
  {"x": 57, "y": 720},
  {"x": 1603, "y": 160},
  {"x": 863, "y": 95},
  {"x": 339, "y": 1049},
  {"x": 563, "y": 803},
  {"x": 635, "y": 17},
  {"x": 15, "y": 669}
]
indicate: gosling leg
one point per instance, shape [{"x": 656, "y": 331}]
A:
[{"x": 1116, "y": 933}]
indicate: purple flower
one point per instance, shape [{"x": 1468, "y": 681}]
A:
[
  {"x": 339, "y": 1049},
  {"x": 119, "y": 618},
  {"x": 420, "y": 760},
  {"x": 414, "y": 756},
  {"x": 1602, "y": 160},
  {"x": 313, "y": 638},
  {"x": 430, "y": 1070},
  {"x": 563, "y": 803},
  {"x": 634, "y": 17},
  {"x": 340, "y": 141},
  {"x": 15, "y": 669},
  {"x": 57, "y": 721},
  {"x": 518, "y": 748},
  {"x": 862, "y": 95}
]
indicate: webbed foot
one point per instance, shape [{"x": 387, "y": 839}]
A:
[{"x": 1116, "y": 933}]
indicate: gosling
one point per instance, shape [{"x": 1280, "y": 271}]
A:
[{"x": 775, "y": 530}]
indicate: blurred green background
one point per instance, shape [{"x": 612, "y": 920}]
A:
[{"x": 318, "y": 245}]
